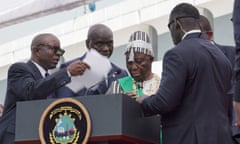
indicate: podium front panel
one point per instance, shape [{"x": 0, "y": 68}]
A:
[{"x": 111, "y": 116}]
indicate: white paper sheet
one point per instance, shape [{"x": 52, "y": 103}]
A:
[{"x": 99, "y": 68}]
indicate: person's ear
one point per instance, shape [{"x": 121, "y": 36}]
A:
[
  {"x": 151, "y": 58},
  {"x": 178, "y": 25},
  {"x": 87, "y": 43},
  {"x": 35, "y": 51},
  {"x": 210, "y": 35}
]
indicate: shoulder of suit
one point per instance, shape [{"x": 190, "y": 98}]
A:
[
  {"x": 19, "y": 64},
  {"x": 226, "y": 47}
]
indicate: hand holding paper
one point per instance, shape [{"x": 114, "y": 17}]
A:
[
  {"x": 99, "y": 68},
  {"x": 77, "y": 68}
]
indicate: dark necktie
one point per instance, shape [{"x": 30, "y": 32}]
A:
[
  {"x": 46, "y": 74},
  {"x": 51, "y": 95}
]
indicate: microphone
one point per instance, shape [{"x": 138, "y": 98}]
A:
[
  {"x": 94, "y": 87},
  {"x": 117, "y": 72}
]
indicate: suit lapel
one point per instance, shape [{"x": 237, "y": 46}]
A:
[{"x": 36, "y": 73}]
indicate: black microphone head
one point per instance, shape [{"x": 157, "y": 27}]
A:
[{"x": 117, "y": 72}]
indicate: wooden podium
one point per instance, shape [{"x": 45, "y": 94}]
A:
[{"x": 115, "y": 119}]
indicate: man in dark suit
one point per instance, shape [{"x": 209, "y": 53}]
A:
[
  {"x": 192, "y": 97},
  {"x": 236, "y": 30},
  {"x": 29, "y": 81},
  {"x": 100, "y": 38}
]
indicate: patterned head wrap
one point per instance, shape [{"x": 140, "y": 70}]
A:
[{"x": 139, "y": 42}]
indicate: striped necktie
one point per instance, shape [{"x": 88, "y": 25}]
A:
[{"x": 52, "y": 94}]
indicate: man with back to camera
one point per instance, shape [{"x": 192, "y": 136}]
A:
[
  {"x": 236, "y": 30},
  {"x": 30, "y": 80},
  {"x": 100, "y": 38},
  {"x": 192, "y": 98}
]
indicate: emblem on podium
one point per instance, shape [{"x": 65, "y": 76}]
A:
[{"x": 65, "y": 121}]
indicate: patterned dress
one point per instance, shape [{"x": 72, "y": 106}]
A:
[{"x": 147, "y": 87}]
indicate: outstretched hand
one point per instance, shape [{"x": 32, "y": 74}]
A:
[
  {"x": 131, "y": 95},
  {"x": 237, "y": 123},
  {"x": 141, "y": 98}
]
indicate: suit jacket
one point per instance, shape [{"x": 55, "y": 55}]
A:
[
  {"x": 236, "y": 30},
  {"x": 24, "y": 83},
  {"x": 192, "y": 97},
  {"x": 114, "y": 74},
  {"x": 236, "y": 22},
  {"x": 229, "y": 52}
]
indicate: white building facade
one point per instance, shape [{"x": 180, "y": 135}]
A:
[{"x": 122, "y": 16}]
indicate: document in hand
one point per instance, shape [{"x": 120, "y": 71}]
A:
[{"x": 99, "y": 68}]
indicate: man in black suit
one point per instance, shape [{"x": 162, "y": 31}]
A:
[
  {"x": 236, "y": 30},
  {"x": 192, "y": 98},
  {"x": 29, "y": 81},
  {"x": 100, "y": 38}
]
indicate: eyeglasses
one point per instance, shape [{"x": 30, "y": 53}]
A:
[
  {"x": 177, "y": 18},
  {"x": 56, "y": 49},
  {"x": 101, "y": 44}
]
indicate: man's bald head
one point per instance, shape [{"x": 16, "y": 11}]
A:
[
  {"x": 100, "y": 38},
  {"x": 39, "y": 39},
  {"x": 97, "y": 28}
]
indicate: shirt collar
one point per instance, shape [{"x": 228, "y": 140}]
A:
[
  {"x": 190, "y": 32},
  {"x": 40, "y": 68}
]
